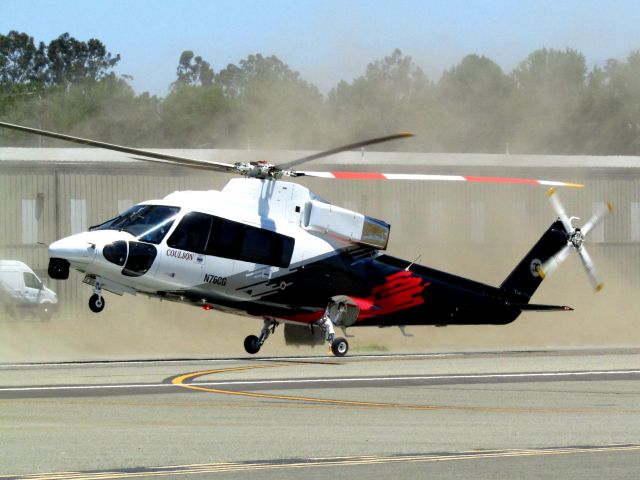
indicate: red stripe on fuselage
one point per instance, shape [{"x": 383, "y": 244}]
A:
[
  {"x": 311, "y": 317},
  {"x": 401, "y": 290}
]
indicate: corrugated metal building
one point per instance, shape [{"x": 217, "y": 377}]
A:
[{"x": 477, "y": 230}]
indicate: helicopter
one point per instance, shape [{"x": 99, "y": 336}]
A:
[{"x": 270, "y": 248}]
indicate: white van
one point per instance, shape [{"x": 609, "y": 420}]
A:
[{"x": 22, "y": 292}]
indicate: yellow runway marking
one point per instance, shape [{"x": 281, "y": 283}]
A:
[
  {"x": 223, "y": 467},
  {"x": 180, "y": 382}
]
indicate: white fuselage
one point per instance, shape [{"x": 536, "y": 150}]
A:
[{"x": 261, "y": 207}]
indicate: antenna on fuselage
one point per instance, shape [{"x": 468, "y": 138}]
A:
[{"x": 414, "y": 261}]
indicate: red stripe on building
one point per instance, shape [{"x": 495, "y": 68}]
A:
[{"x": 359, "y": 175}]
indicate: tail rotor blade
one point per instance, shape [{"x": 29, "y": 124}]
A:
[
  {"x": 596, "y": 219},
  {"x": 596, "y": 282},
  {"x": 557, "y": 206},
  {"x": 554, "y": 262}
]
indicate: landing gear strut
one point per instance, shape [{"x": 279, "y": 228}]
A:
[
  {"x": 252, "y": 343},
  {"x": 96, "y": 302},
  {"x": 339, "y": 345}
]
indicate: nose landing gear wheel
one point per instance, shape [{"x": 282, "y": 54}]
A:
[
  {"x": 252, "y": 344},
  {"x": 96, "y": 303},
  {"x": 339, "y": 347}
]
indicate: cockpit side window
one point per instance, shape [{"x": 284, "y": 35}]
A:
[{"x": 149, "y": 223}]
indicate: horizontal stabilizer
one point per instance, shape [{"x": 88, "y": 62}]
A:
[{"x": 529, "y": 307}]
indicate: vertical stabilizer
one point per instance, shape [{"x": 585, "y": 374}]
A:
[{"x": 523, "y": 281}]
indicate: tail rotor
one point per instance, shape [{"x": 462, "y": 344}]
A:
[{"x": 575, "y": 241}]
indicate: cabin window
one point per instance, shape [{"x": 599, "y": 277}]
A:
[
  {"x": 235, "y": 240},
  {"x": 219, "y": 237}
]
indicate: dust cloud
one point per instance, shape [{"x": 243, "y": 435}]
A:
[
  {"x": 140, "y": 327},
  {"x": 430, "y": 220}
]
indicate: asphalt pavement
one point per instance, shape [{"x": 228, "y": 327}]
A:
[{"x": 538, "y": 414}]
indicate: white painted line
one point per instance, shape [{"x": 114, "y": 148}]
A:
[
  {"x": 323, "y": 380},
  {"x": 84, "y": 387},
  {"x": 115, "y": 363}
]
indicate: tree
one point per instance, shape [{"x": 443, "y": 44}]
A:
[
  {"x": 68, "y": 85},
  {"x": 255, "y": 68},
  {"x": 618, "y": 116},
  {"x": 73, "y": 61},
  {"x": 22, "y": 64},
  {"x": 195, "y": 116},
  {"x": 474, "y": 95},
  {"x": 275, "y": 107},
  {"x": 193, "y": 71},
  {"x": 549, "y": 85},
  {"x": 394, "y": 94}
]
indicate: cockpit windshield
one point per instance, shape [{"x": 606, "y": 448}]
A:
[{"x": 148, "y": 223}]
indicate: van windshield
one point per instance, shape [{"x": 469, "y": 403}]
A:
[{"x": 148, "y": 223}]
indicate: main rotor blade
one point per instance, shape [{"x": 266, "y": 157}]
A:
[
  {"x": 560, "y": 211},
  {"x": 351, "y": 146},
  {"x": 595, "y": 220},
  {"x": 552, "y": 263},
  {"x": 426, "y": 177},
  {"x": 189, "y": 162},
  {"x": 182, "y": 162}
]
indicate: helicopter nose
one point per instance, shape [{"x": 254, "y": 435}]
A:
[{"x": 73, "y": 249}]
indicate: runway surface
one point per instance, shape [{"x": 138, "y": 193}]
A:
[{"x": 550, "y": 414}]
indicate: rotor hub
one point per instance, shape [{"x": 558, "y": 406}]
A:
[
  {"x": 260, "y": 169},
  {"x": 577, "y": 238}
]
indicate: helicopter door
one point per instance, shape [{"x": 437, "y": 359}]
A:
[{"x": 184, "y": 261}]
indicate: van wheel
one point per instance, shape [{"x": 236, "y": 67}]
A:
[
  {"x": 46, "y": 313},
  {"x": 96, "y": 303}
]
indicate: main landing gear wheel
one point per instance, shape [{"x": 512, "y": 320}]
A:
[
  {"x": 96, "y": 303},
  {"x": 252, "y": 344},
  {"x": 339, "y": 347}
]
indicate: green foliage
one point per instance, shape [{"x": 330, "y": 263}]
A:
[
  {"x": 394, "y": 94},
  {"x": 549, "y": 85},
  {"x": 551, "y": 103},
  {"x": 474, "y": 114},
  {"x": 72, "y": 61},
  {"x": 620, "y": 107},
  {"x": 193, "y": 71},
  {"x": 273, "y": 106},
  {"x": 267, "y": 102},
  {"x": 193, "y": 116},
  {"x": 22, "y": 64}
]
